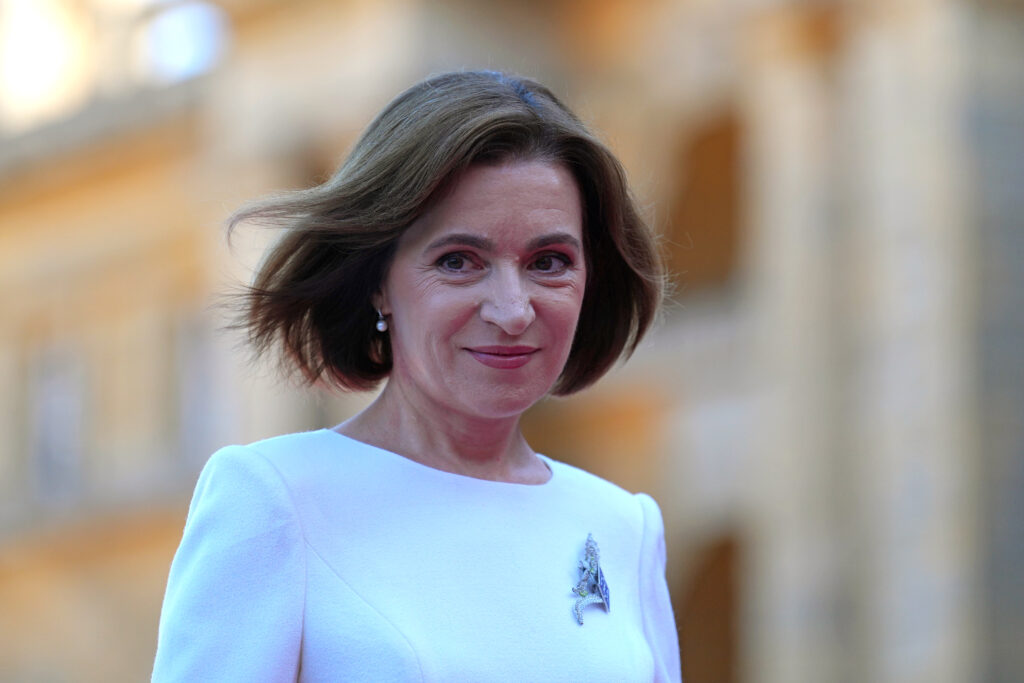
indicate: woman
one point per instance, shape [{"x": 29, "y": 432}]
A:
[{"x": 478, "y": 249}]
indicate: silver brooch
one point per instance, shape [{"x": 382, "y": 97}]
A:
[{"x": 592, "y": 588}]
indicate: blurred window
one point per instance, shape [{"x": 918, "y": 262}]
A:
[
  {"x": 57, "y": 420},
  {"x": 705, "y": 214},
  {"x": 201, "y": 411},
  {"x": 707, "y": 605}
]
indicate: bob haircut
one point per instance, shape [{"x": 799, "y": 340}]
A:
[{"x": 312, "y": 294}]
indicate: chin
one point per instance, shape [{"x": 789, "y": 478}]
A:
[{"x": 502, "y": 402}]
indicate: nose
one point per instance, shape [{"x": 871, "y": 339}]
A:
[{"x": 508, "y": 304}]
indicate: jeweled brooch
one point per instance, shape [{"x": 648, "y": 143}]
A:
[{"x": 592, "y": 587}]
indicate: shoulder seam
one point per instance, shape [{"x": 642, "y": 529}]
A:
[
  {"x": 302, "y": 529},
  {"x": 640, "y": 557}
]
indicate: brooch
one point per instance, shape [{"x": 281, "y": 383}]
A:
[{"x": 591, "y": 588}]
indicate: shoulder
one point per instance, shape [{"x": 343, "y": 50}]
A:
[
  {"x": 590, "y": 490},
  {"x": 240, "y": 567},
  {"x": 282, "y": 456},
  {"x": 286, "y": 450},
  {"x": 271, "y": 471},
  {"x": 588, "y": 483}
]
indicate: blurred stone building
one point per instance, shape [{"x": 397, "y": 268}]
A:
[{"x": 830, "y": 412}]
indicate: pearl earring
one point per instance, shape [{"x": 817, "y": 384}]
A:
[{"x": 382, "y": 324}]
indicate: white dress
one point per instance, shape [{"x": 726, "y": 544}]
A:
[{"x": 315, "y": 557}]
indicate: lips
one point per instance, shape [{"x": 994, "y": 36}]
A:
[{"x": 503, "y": 357}]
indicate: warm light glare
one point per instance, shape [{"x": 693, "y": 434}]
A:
[{"x": 44, "y": 65}]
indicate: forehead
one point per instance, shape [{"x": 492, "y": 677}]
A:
[{"x": 504, "y": 201}]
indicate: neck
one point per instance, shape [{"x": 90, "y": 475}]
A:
[{"x": 432, "y": 435}]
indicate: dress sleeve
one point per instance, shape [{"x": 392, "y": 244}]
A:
[
  {"x": 659, "y": 622},
  {"x": 233, "y": 609}
]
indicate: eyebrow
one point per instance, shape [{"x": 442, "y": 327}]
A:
[
  {"x": 462, "y": 239},
  {"x": 555, "y": 238},
  {"x": 484, "y": 244}
]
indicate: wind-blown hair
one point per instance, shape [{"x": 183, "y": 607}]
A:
[{"x": 312, "y": 294}]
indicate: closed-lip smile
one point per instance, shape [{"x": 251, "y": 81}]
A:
[{"x": 503, "y": 357}]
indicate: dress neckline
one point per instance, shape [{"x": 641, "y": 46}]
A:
[{"x": 413, "y": 465}]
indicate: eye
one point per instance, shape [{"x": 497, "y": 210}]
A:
[
  {"x": 551, "y": 262},
  {"x": 456, "y": 262},
  {"x": 453, "y": 261}
]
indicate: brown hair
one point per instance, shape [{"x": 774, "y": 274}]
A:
[{"x": 312, "y": 294}]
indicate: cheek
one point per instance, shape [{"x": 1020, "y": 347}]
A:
[
  {"x": 448, "y": 310},
  {"x": 564, "y": 314},
  {"x": 427, "y": 322},
  {"x": 418, "y": 301}
]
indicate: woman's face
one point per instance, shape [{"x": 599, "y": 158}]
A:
[{"x": 485, "y": 290}]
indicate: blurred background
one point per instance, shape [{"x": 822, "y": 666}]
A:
[{"x": 831, "y": 411}]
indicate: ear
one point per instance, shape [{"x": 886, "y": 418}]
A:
[{"x": 380, "y": 301}]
